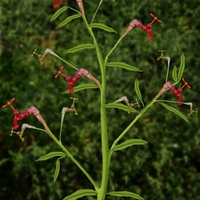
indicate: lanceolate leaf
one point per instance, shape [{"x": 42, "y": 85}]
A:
[
  {"x": 174, "y": 74},
  {"x": 82, "y": 87},
  {"x": 121, "y": 107},
  {"x": 174, "y": 110},
  {"x": 80, "y": 47},
  {"x": 68, "y": 19},
  {"x": 123, "y": 65},
  {"x": 125, "y": 194},
  {"x": 58, "y": 12},
  {"x": 102, "y": 26},
  {"x": 51, "y": 155},
  {"x": 137, "y": 91},
  {"x": 129, "y": 143},
  {"x": 182, "y": 67},
  {"x": 81, "y": 193},
  {"x": 57, "y": 170}
]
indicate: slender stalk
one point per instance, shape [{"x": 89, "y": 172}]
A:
[
  {"x": 60, "y": 133},
  {"x": 110, "y": 52},
  {"x": 59, "y": 143},
  {"x": 67, "y": 62},
  {"x": 167, "y": 74},
  {"x": 101, "y": 1},
  {"x": 132, "y": 123}
]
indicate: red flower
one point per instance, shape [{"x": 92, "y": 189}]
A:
[{"x": 56, "y": 3}]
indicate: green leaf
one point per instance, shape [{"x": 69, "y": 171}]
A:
[
  {"x": 174, "y": 74},
  {"x": 102, "y": 26},
  {"x": 174, "y": 110},
  {"x": 58, "y": 12},
  {"x": 51, "y": 155},
  {"x": 137, "y": 91},
  {"x": 68, "y": 19},
  {"x": 121, "y": 107},
  {"x": 123, "y": 65},
  {"x": 57, "y": 170},
  {"x": 80, "y": 47},
  {"x": 81, "y": 193},
  {"x": 129, "y": 143},
  {"x": 82, "y": 87},
  {"x": 182, "y": 67},
  {"x": 125, "y": 194}
]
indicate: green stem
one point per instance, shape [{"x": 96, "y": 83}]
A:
[
  {"x": 167, "y": 74},
  {"x": 132, "y": 123},
  {"x": 110, "y": 52},
  {"x": 59, "y": 143},
  {"x": 60, "y": 134},
  {"x": 101, "y": 1},
  {"x": 67, "y": 62},
  {"x": 104, "y": 133}
]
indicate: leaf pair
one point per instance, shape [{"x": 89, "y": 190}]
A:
[
  {"x": 75, "y": 16},
  {"x": 50, "y": 155},
  {"x": 89, "y": 192},
  {"x": 177, "y": 75}
]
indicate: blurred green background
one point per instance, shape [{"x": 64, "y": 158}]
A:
[{"x": 165, "y": 169}]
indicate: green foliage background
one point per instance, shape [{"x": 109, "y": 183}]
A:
[{"x": 167, "y": 168}]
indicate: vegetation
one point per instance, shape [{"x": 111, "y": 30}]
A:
[{"x": 166, "y": 168}]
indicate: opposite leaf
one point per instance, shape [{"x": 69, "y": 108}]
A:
[
  {"x": 129, "y": 143},
  {"x": 80, "y": 47},
  {"x": 102, "y": 26},
  {"x": 68, "y": 19},
  {"x": 125, "y": 194},
  {"x": 123, "y": 65},
  {"x": 81, "y": 193},
  {"x": 57, "y": 170},
  {"x": 82, "y": 87},
  {"x": 51, "y": 155},
  {"x": 174, "y": 110},
  {"x": 58, "y": 12},
  {"x": 137, "y": 91}
]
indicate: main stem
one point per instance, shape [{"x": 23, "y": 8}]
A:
[{"x": 104, "y": 134}]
